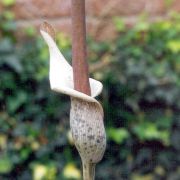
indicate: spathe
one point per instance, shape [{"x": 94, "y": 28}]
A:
[{"x": 61, "y": 74}]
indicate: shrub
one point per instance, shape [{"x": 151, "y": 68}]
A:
[{"x": 141, "y": 98}]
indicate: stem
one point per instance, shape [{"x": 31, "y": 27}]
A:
[
  {"x": 88, "y": 171},
  {"x": 79, "y": 63}
]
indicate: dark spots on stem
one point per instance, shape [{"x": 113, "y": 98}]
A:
[{"x": 91, "y": 137}]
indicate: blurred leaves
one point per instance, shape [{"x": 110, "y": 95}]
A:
[
  {"x": 71, "y": 172},
  {"x": 5, "y": 164},
  {"x": 44, "y": 172},
  {"x": 13, "y": 103},
  {"x": 119, "y": 23},
  {"x": 118, "y": 135},
  {"x": 149, "y": 131},
  {"x": 140, "y": 72},
  {"x": 174, "y": 46},
  {"x": 8, "y": 2}
]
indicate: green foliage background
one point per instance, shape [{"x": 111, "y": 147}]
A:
[{"x": 141, "y": 100}]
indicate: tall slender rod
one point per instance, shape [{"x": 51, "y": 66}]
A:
[{"x": 79, "y": 61}]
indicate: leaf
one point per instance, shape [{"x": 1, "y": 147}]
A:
[
  {"x": 13, "y": 62},
  {"x": 149, "y": 131},
  {"x": 30, "y": 31},
  {"x": 8, "y": 2},
  {"x": 24, "y": 153},
  {"x": 44, "y": 172},
  {"x": 6, "y": 46},
  {"x": 62, "y": 41},
  {"x": 39, "y": 172},
  {"x": 9, "y": 26},
  {"x": 3, "y": 141},
  {"x": 5, "y": 164},
  {"x": 142, "y": 26},
  {"x": 174, "y": 46},
  {"x": 14, "y": 103},
  {"x": 168, "y": 3},
  {"x": 118, "y": 135},
  {"x": 142, "y": 177},
  {"x": 70, "y": 171},
  {"x": 9, "y": 15},
  {"x": 119, "y": 24}
]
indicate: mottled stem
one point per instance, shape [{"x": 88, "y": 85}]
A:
[{"x": 88, "y": 171}]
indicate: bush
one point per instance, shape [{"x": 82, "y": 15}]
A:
[{"x": 141, "y": 100}]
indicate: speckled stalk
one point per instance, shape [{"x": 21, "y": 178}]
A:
[
  {"x": 87, "y": 127},
  {"x": 88, "y": 171}
]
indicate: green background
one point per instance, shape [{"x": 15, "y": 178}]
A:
[{"x": 140, "y": 71}]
